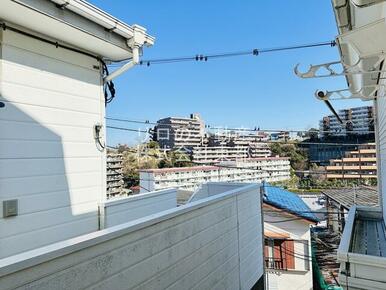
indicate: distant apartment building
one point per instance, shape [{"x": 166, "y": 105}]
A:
[
  {"x": 230, "y": 146},
  {"x": 178, "y": 132},
  {"x": 280, "y": 136},
  {"x": 356, "y": 121},
  {"x": 114, "y": 179},
  {"x": 270, "y": 169},
  {"x": 209, "y": 155},
  {"x": 361, "y": 163}
]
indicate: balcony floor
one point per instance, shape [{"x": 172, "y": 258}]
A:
[{"x": 369, "y": 237}]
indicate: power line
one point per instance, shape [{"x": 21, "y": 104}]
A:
[
  {"x": 257, "y": 141},
  {"x": 257, "y": 130},
  {"x": 132, "y": 121},
  {"x": 127, "y": 129},
  {"x": 251, "y": 52}
]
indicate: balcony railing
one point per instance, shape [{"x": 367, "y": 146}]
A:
[
  {"x": 362, "y": 250},
  {"x": 275, "y": 263}
]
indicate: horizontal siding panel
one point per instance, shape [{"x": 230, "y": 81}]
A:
[
  {"x": 53, "y": 98},
  {"x": 46, "y": 149},
  {"x": 137, "y": 249},
  {"x": 17, "y": 168},
  {"x": 11, "y": 130},
  {"x": 44, "y": 219},
  {"x": 17, "y": 187},
  {"x": 48, "y": 201},
  {"x": 22, "y": 94},
  {"x": 83, "y": 225},
  {"x": 123, "y": 216},
  {"x": 183, "y": 271},
  {"x": 145, "y": 270},
  {"x": 13, "y": 40},
  {"x": 48, "y": 73},
  {"x": 195, "y": 247},
  {"x": 226, "y": 264},
  {"x": 208, "y": 266},
  {"x": 43, "y": 115}
]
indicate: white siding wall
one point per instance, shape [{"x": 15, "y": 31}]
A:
[
  {"x": 215, "y": 243},
  {"x": 134, "y": 207},
  {"x": 48, "y": 158}
]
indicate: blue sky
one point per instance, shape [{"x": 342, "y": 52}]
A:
[{"x": 244, "y": 91}]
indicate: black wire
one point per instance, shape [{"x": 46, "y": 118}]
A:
[
  {"x": 236, "y": 129},
  {"x": 108, "y": 87},
  {"x": 126, "y": 129},
  {"x": 262, "y": 142},
  {"x": 254, "y": 52}
]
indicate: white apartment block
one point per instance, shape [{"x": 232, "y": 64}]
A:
[
  {"x": 177, "y": 132},
  {"x": 207, "y": 155},
  {"x": 359, "y": 120},
  {"x": 253, "y": 170}
]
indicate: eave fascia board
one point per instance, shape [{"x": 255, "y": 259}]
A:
[{"x": 92, "y": 13}]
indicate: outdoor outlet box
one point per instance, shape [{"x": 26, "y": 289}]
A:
[{"x": 10, "y": 208}]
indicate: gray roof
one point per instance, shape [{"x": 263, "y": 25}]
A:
[{"x": 365, "y": 196}]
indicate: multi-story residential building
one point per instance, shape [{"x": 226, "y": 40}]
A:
[
  {"x": 287, "y": 247},
  {"x": 356, "y": 121},
  {"x": 270, "y": 169},
  {"x": 361, "y": 163},
  {"x": 280, "y": 136},
  {"x": 179, "y": 133},
  {"x": 226, "y": 146},
  {"x": 214, "y": 154},
  {"x": 114, "y": 180}
]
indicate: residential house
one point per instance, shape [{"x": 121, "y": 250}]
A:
[{"x": 287, "y": 249}]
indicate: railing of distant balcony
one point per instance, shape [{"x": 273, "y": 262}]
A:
[{"x": 276, "y": 263}]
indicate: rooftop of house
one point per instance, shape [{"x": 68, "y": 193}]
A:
[
  {"x": 288, "y": 201},
  {"x": 347, "y": 197}
]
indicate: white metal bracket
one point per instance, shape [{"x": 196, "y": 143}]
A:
[
  {"x": 346, "y": 94},
  {"x": 330, "y": 70}
]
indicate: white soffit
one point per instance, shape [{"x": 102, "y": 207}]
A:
[{"x": 95, "y": 40}]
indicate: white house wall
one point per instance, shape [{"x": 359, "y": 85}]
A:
[
  {"x": 301, "y": 277},
  {"x": 214, "y": 243},
  {"x": 49, "y": 161}
]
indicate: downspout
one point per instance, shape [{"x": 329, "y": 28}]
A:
[{"x": 134, "y": 61}]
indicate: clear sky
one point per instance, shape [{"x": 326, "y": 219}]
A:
[{"x": 234, "y": 92}]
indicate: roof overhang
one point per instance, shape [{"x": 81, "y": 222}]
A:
[
  {"x": 77, "y": 23},
  {"x": 286, "y": 212},
  {"x": 360, "y": 25}
]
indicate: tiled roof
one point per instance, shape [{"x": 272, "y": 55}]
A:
[{"x": 288, "y": 201}]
